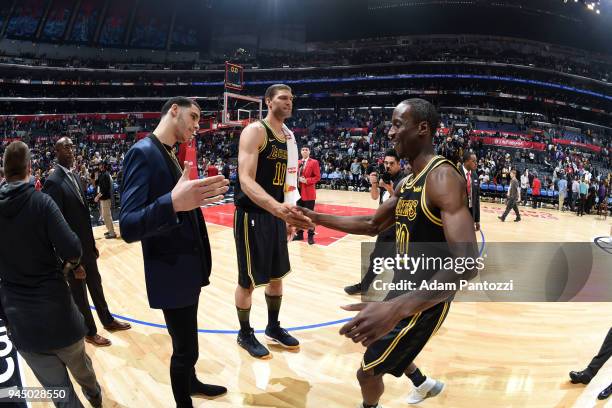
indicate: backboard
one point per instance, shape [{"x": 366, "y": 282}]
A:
[{"x": 240, "y": 110}]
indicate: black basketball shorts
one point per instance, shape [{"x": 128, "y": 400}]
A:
[
  {"x": 261, "y": 247},
  {"x": 394, "y": 352}
]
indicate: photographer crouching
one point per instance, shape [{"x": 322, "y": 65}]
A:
[{"x": 382, "y": 188}]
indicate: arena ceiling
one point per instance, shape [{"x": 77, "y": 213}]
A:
[{"x": 569, "y": 23}]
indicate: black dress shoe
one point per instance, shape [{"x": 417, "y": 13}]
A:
[
  {"x": 580, "y": 377},
  {"x": 206, "y": 390},
  {"x": 298, "y": 237},
  {"x": 605, "y": 393},
  {"x": 501, "y": 218},
  {"x": 116, "y": 325},
  {"x": 353, "y": 289},
  {"x": 311, "y": 240}
]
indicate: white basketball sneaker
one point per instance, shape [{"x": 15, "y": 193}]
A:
[{"x": 430, "y": 388}]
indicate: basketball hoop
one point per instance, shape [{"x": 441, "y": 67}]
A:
[{"x": 239, "y": 109}]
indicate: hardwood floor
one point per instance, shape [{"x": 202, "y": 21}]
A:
[{"x": 488, "y": 354}]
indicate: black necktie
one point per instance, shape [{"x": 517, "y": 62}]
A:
[{"x": 75, "y": 182}]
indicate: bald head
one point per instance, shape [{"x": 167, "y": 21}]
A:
[
  {"x": 413, "y": 124},
  {"x": 64, "y": 152},
  {"x": 419, "y": 111}
]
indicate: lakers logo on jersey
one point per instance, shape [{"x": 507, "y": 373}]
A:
[
  {"x": 277, "y": 153},
  {"x": 415, "y": 220},
  {"x": 406, "y": 208},
  {"x": 271, "y": 170}
]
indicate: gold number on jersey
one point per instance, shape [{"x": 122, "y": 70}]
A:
[
  {"x": 279, "y": 176},
  {"x": 402, "y": 237}
]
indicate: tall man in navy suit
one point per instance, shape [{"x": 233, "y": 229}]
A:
[
  {"x": 160, "y": 207},
  {"x": 63, "y": 186}
]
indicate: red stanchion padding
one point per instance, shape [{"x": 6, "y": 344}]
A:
[{"x": 187, "y": 152}]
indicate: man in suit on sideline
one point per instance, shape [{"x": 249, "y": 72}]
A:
[
  {"x": 160, "y": 207},
  {"x": 468, "y": 169},
  {"x": 309, "y": 174},
  {"x": 63, "y": 186}
]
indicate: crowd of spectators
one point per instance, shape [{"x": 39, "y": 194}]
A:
[
  {"x": 401, "y": 54},
  {"x": 487, "y": 50},
  {"x": 348, "y": 143},
  {"x": 10, "y": 127},
  {"x": 319, "y": 86},
  {"x": 25, "y": 18},
  {"x": 213, "y": 153}
]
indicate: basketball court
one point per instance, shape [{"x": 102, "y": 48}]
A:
[
  {"x": 488, "y": 354},
  {"x": 96, "y": 71}
]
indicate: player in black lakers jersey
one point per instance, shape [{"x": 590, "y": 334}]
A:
[
  {"x": 428, "y": 206},
  {"x": 261, "y": 220}
]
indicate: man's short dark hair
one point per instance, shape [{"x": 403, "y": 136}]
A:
[
  {"x": 274, "y": 89},
  {"x": 392, "y": 153},
  {"x": 180, "y": 101},
  {"x": 16, "y": 159},
  {"x": 467, "y": 155},
  {"x": 423, "y": 111}
]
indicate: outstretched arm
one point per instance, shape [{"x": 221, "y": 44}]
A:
[
  {"x": 446, "y": 191},
  {"x": 251, "y": 139},
  {"x": 360, "y": 225}
]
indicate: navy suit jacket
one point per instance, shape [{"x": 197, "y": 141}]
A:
[
  {"x": 73, "y": 205},
  {"x": 175, "y": 246}
]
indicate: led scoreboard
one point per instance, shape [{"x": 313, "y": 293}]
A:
[{"x": 233, "y": 76}]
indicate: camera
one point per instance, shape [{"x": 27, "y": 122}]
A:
[{"x": 386, "y": 177}]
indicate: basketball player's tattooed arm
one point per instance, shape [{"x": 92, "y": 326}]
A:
[
  {"x": 359, "y": 225},
  {"x": 446, "y": 191},
  {"x": 251, "y": 139}
]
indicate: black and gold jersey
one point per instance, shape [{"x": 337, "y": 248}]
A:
[
  {"x": 415, "y": 220},
  {"x": 271, "y": 170}
]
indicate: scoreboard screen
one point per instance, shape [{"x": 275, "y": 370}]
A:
[{"x": 233, "y": 76}]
